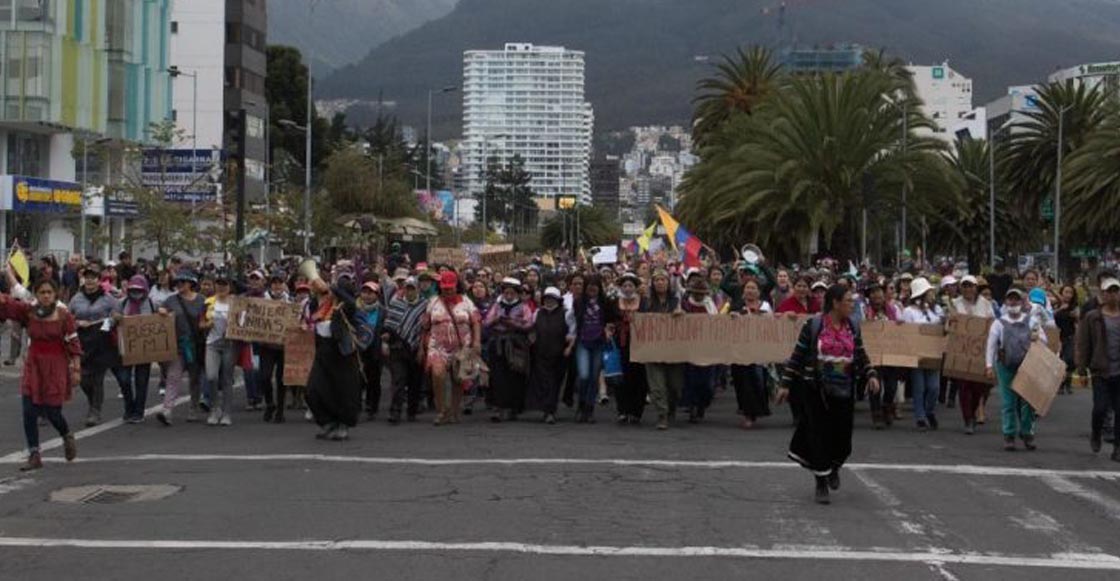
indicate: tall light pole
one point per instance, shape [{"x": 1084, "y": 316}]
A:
[
  {"x": 306, "y": 129},
  {"x": 175, "y": 73},
  {"x": 1058, "y": 193},
  {"x": 992, "y": 193},
  {"x": 428, "y": 135},
  {"x": 905, "y": 137}
]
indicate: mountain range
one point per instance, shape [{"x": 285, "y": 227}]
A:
[
  {"x": 340, "y": 32},
  {"x": 645, "y": 56}
]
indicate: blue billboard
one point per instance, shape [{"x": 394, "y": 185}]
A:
[{"x": 184, "y": 175}]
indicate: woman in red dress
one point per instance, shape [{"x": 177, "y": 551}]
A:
[{"x": 52, "y": 368}]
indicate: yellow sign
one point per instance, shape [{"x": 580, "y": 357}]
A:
[
  {"x": 566, "y": 202},
  {"x": 32, "y": 194},
  {"x": 18, "y": 260}
]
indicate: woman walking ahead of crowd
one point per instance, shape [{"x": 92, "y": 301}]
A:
[
  {"x": 53, "y": 365},
  {"x": 451, "y": 325},
  {"x": 827, "y": 363}
]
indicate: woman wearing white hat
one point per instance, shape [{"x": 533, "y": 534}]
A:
[
  {"x": 924, "y": 383},
  {"x": 970, "y": 303},
  {"x": 554, "y": 336}
]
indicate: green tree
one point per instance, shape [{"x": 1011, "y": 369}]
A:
[
  {"x": 1091, "y": 186},
  {"x": 596, "y": 228},
  {"x": 1033, "y": 152},
  {"x": 353, "y": 185},
  {"x": 510, "y": 200},
  {"x": 286, "y": 92},
  {"x": 794, "y": 170},
  {"x": 962, "y": 229},
  {"x": 740, "y": 83}
]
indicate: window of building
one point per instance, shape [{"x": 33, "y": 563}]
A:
[
  {"x": 254, "y": 127},
  {"x": 233, "y": 33},
  {"x": 174, "y": 27}
]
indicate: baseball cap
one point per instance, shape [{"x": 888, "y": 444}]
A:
[
  {"x": 448, "y": 280},
  {"x": 1109, "y": 283},
  {"x": 1014, "y": 291},
  {"x": 553, "y": 292},
  {"x": 969, "y": 279},
  {"x": 410, "y": 282}
]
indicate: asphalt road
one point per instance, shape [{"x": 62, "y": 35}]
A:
[{"x": 525, "y": 500}]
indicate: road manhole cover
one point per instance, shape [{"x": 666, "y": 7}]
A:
[{"x": 114, "y": 493}]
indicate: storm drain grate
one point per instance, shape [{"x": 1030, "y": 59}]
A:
[
  {"x": 110, "y": 497},
  {"x": 114, "y": 493}
]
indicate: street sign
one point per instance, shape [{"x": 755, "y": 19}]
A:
[
  {"x": 183, "y": 175},
  {"x": 1047, "y": 208}
]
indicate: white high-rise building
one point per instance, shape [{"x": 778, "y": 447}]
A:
[
  {"x": 528, "y": 100},
  {"x": 1105, "y": 76},
  {"x": 946, "y": 96}
]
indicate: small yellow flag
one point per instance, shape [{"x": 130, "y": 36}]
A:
[{"x": 18, "y": 260}]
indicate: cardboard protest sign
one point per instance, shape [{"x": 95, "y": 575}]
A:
[
  {"x": 1053, "y": 339},
  {"x": 1039, "y": 378},
  {"x": 299, "y": 354},
  {"x": 903, "y": 345},
  {"x": 712, "y": 339},
  {"x": 147, "y": 339},
  {"x": 965, "y": 348},
  {"x": 449, "y": 255},
  {"x": 260, "y": 320}
]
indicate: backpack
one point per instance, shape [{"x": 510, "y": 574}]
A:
[{"x": 1015, "y": 341}]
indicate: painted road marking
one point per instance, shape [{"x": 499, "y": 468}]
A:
[
  {"x": 957, "y": 469},
  {"x": 1064, "y": 485},
  {"x": 21, "y": 455},
  {"x": 1093, "y": 562}
]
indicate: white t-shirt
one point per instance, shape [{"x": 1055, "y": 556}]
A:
[{"x": 914, "y": 314}]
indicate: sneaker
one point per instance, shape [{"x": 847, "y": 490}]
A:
[
  {"x": 932, "y": 422},
  {"x": 834, "y": 479},
  {"x": 923, "y": 426},
  {"x": 1009, "y": 443},
  {"x": 1095, "y": 442},
  {"x": 192, "y": 414},
  {"x": 622, "y": 419},
  {"x": 214, "y": 417},
  {"x": 340, "y": 434},
  {"x": 549, "y": 419},
  {"x": 821, "y": 496},
  {"x": 135, "y": 420},
  {"x": 164, "y": 417},
  {"x": 325, "y": 432},
  {"x": 93, "y": 418},
  {"x": 970, "y": 428},
  {"x": 69, "y": 447},
  {"x": 162, "y": 391},
  {"x": 1028, "y": 443},
  {"x": 663, "y": 422},
  {"x": 227, "y": 420},
  {"x": 307, "y": 415}
]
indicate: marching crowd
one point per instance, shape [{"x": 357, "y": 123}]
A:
[{"x": 531, "y": 337}]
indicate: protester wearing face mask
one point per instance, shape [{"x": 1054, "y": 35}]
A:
[
  {"x": 270, "y": 376},
  {"x": 371, "y": 311},
  {"x": 93, "y": 309},
  {"x": 1009, "y": 340},
  {"x": 53, "y": 364},
  {"x": 134, "y": 379}
]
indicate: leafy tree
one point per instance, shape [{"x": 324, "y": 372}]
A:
[
  {"x": 510, "y": 200},
  {"x": 740, "y": 83},
  {"x": 353, "y": 185},
  {"x": 286, "y": 91},
  {"x": 1091, "y": 188},
  {"x": 793, "y": 171},
  {"x": 1033, "y": 151},
  {"x": 596, "y": 228}
]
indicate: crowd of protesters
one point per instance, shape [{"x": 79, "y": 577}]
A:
[{"x": 523, "y": 340}]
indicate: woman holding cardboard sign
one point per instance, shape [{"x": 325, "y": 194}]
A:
[
  {"x": 827, "y": 363},
  {"x": 53, "y": 365}
]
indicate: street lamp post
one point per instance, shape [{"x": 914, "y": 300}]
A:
[
  {"x": 1058, "y": 193},
  {"x": 175, "y": 72},
  {"x": 428, "y": 136},
  {"x": 307, "y": 175}
]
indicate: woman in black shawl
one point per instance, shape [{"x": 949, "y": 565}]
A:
[
  {"x": 334, "y": 389},
  {"x": 827, "y": 363}
]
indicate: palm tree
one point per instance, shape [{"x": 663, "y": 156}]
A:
[
  {"x": 1092, "y": 186},
  {"x": 962, "y": 229},
  {"x": 795, "y": 171},
  {"x": 740, "y": 83},
  {"x": 892, "y": 68},
  {"x": 1033, "y": 152}
]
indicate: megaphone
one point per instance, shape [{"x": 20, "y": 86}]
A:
[
  {"x": 751, "y": 254},
  {"x": 309, "y": 270}
]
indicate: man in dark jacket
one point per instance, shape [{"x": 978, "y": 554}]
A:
[{"x": 1098, "y": 350}]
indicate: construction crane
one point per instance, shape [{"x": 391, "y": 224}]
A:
[{"x": 785, "y": 34}]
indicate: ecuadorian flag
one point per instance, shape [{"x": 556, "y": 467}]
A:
[{"x": 681, "y": 239}]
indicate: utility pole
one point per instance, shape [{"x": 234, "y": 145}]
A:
[
  {"x": 905, "y": 136},
  {"x": 1058, "y": 194}
]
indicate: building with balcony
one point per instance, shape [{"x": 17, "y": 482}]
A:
[{"x": 528, "y": 100}]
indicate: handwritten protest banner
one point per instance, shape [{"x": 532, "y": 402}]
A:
[
  {"x": 147, "y": 339},
  {"x": 260, "y": 320},
  {"x": 1039, "y": 377},
  {"x": 712, "y": 339},
  {"x": 448, "y": 255},
  {"x": 299, "y": 354},
  {"x": 907, "y": 345},
  {"x": 965, "y": 348}
]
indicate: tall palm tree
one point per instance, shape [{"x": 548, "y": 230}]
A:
[
  {"x": 796, "y": 171},
  {"x": 962, "y": 229},
  {"x": 740, "y": 83},
  {"x": 893, "y": 69},
  {"x": 1033, "y": 151},
  {"x": 1091, "y": 185}
]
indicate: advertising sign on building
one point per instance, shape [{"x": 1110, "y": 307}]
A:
[
  {"x": 39, "y": 196},
  {"x": 184, "y": 175}
]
